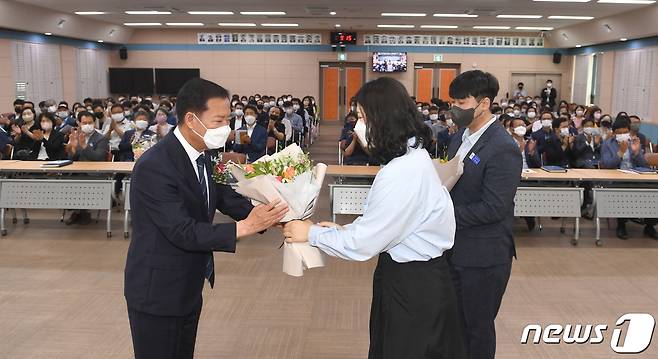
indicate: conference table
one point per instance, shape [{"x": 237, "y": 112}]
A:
[
  {"x": 617, "y": 194},
  {"x": 80, "y": 185}
]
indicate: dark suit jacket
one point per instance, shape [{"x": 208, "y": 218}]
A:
[
  {"x": 55, "y": 146},
  {"x": 484, "y": 199},
  {"x": 97, "y": 148},
  {"x": 548, "y": 97},
  {"x": 584, "y": 155},
  {"x": 173, "y": 234}
]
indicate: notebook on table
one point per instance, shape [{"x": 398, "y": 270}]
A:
[
  {"x": 55, "y": 164},
  {"x": 554, "y": 169}
]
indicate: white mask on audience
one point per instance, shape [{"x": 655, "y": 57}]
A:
[
  {"x": 52, "y": 109},
  {"x": 214, "y": 138},
  {"x": 295, "y": 107},
  {"x": 450, "y": 123},
  {"x": 62, "y": 114},
  {"x": 141, "y": 124},
  {"x": 517, "y": 113},
  {"x": 434, "y": 116},
  {"x": 426, "y": 112},
  {"x": 579, "y": 113},
  {"x": 503, "y": 104},
  {"x": 360, "y": 130},
  {"x": 118, "y": 117},
  {"x": 532, "y": 114},
  {"x": 564, "y": 131},
  {"x": 250, "y": 119},
  {"x": 546, "y": 123},
  {"x": 588, "y": 130},
  {"x": 289, "y": 111},
  {"x": 520, "y": 130},
  {"x": 597, "y": 115},
  {"x": 239, "y": 112},
  {"x": 624, "y": 137},
  {"x": 280, "y": 102},
  {"x": 46, "y": 126},
  {"x": 87, "y": 129},
  {"x": 272, "y": 103}
]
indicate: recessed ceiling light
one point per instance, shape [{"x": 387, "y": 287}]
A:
[
  {"x": 280, "y": 25},
  {"x": 148, "y": 12},
  {"x": 637, "y": 2},
  {"x": 100, "y": 41},
  {"x": 562, "y": 0},
  {"x": 184, "y": 24},
  {"x": 519, "y": 16},
  {"x": 569, "y": 17},
  {"x": 237, "y": 24},
  {"x": 210, "y": 12},
  {"x": 90, "y": 12},
  {"x": 488, "y": 27},
  {"x": 396, "y": 26},
  {"x": 47, "y": 33},
  {"x": 142, "y": 23},
  {"x": 623, "y": 39},
  {"x": 439, "y": 26},
  {"x": 262, "y": 12},
  {"x": 454, "y": 15},
  {"x": 332, "y": 13},
  {"x": 537, "y": 28},
  {"x": 416, "y": 14},
  {"x": 579, "y": 45},
  {"x": 337, "y": 25}
]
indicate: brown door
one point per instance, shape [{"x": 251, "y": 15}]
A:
[
  {"x": 433, "y": 80},
  {"x": 424, "y": 84},
  {"x": 339, "y": 82}
]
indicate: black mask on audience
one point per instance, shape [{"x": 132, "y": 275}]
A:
[
  {"x": 463, "y": 117},
  {"x": 18, "y": 109},
  {"x": 275, "y": 117},
  {"x": 98, "y": 115}
]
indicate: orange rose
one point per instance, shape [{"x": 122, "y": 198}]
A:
[
  {"x": 249, "y": 168},
  {"x": 289, "y": 173}
]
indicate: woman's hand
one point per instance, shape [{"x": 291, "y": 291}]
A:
[{"x": 297, "y": 231}]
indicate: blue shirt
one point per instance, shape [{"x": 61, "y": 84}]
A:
[
  {"x": 296, "y": 121},
  {"x": 408, "y": 213}
]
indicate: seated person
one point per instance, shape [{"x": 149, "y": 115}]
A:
[
  {"x": 161, "y": 127},
  {"x": 527, "y": 145},
  {"x": 85, "y": 144},
  {"x": 586, "y": 148},
  {"x": 141, "y": 132},
  {"x": 26, "y": 147},
  {"x": 253, "y": 138},
  {"x": 553, "y": 142},
  {"x": 5, "y": 137},
  {"x": 296, "y": 122},
  {"x": 115, "y": 128},
  {"x": 354, "y": 152},
  {"x": 635, "y": 131},
  {"x": 51, "y": 142},
  {"x": 276, "y": 130},
  {"x": 624, "y": 151}
]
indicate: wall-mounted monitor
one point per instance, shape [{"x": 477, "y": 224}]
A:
[{"x": 389, "y": 61}]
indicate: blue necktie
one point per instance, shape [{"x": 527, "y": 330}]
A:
[{"x": 200, "y": 164}]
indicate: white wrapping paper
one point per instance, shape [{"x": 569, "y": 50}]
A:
[
  {"x": 450, "y": 172},
  {"x": 301, "y": 195}
]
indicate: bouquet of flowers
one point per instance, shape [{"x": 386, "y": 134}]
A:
[
  {"x": 221, "y": 170},
  {"x": 288, "y": 175},
  {"x": 140, "y": 145}
]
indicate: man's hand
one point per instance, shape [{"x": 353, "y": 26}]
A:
[
  {"x": 330, "y": 225},
  {"x": 636, "y": 146},
  {"x": 297, "y": 231},
  {"x": 623, "y": 147},
  {"x": 261, "y": 218},
  {"x": 597, "y": 140},
  {"x": 532, "y": 145}
]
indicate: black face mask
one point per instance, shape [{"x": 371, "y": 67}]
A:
[
  {"x": 275, "y": 117},
  {"x": 463, "y": 117},
  {"x": 18, "y": 109},
  {"x": 98, "y": 115}
]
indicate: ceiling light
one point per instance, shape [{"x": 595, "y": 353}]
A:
[
  {"x": 101, "y": 41},
  {"x": 519, "y": 16},
  {"x": 236, "y": 24},
  {"x": 142, "y": 23},
  {"x": 561, "y": 0},
  {"x": 623, "y": 39},
  {"x": 337, "y": 25},
  {"x": 90, "y": 12},
  {"x": 569, "y": 17},
  {"x": 396, "y": 26},
  {"x": 47, "y": 33},
  {"x": 280, "y": 25},
  {"x": 416, "y": 14},
  {"x": 148, "y": 12},
  {"x": 439, "y": 26},
  {"x": 579, "y": 45},
  {"x": 262, "y": 12},
  {"x": 537, "y": 28},
  {"x": 210, "y": 12},
  {"x": 184, "y": 24},
  {"x": 454, "y": 15},
  {"x": 637, "y": 2},
  {"x": 332, "y": 13},
  {"x": 487, "y": 27}
]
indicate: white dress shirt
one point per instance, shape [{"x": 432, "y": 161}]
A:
[
  {"x": 193, "y": 154},
  {"x": 408, "y": 213},
  {"x": 469, "y": 140}
]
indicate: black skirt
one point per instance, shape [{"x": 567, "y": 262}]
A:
[{"x": 414, "y": 311}]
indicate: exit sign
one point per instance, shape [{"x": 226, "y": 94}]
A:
[{"x": 438, "y": 57}]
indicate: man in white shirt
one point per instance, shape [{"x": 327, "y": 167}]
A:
[{"x": 116, "y": 127}]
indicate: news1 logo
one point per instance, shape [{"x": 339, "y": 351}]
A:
[{"x": 638, "y": 335}]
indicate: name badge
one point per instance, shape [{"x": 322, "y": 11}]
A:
[{"x": 474, "y": 158}]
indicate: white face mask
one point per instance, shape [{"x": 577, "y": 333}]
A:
[
  {"x": 214, "y": 138},
  {"x": 503, "y": 104},
  {"x": 517, "y": 113},
  {"x": 280, "y": 103},
  {"x": 449, "y": 122},
  {"x": 564, "y": 131},
  {"x": 87, "y": 129},
  {"x": 250, "y": 119},
  {"x": 624, "y": 137},
  {"x": 62, "y": 114},
  {"x": 239, "y": 112},
  {"x": 519, "y": 131},
  {"x": 46, "y": 126},
  {"x": 579, "y": 113},
  {"x": 289, "y": 111},
  {"x": 360, "y": 130},
  {"x": 52, "y": 109},
  {"x": 141, "y": 124},
  {"x": 126, "y": 113},
  {"x": 546, "y": 123},
  {"x": 549, "y": 85},
  {"x": 532, "y": 115},
  {"x": 426, "y": 112},
  {"x": 295, "y": 107},
  {"x": 597, "y": 116},
  {"x": 588, "y": 130},
  {"x": 118, "y": 117},
  {"x": 272, "y": 103},
  {"x": 434, "y": 116}
]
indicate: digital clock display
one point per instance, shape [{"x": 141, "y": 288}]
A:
[{"x": 343, "y": 38}]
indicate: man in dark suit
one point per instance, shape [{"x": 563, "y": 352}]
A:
[
  {"x": 253, "y": 137},
  {"x": 548, "y": 95},
  {"x": 173, "y": 200},
  {"x": 483, "y": 198}
]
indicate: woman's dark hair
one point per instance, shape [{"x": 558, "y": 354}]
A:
[
  {"x": 48, "y": 116},
  {"x": 194, "y": 96},
  {"x": 621, "y": 122},
  {"x": 474, "y": 83},
  {"x": 391, "y": 119},
  {"x": 143, "y": 113}
]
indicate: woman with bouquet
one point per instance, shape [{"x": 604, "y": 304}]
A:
[{"x": 408, "y": 221}]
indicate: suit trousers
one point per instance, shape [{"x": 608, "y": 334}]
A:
[
  {"x": 479, "y": 295},
  {"x": 164, "y": 337}
]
